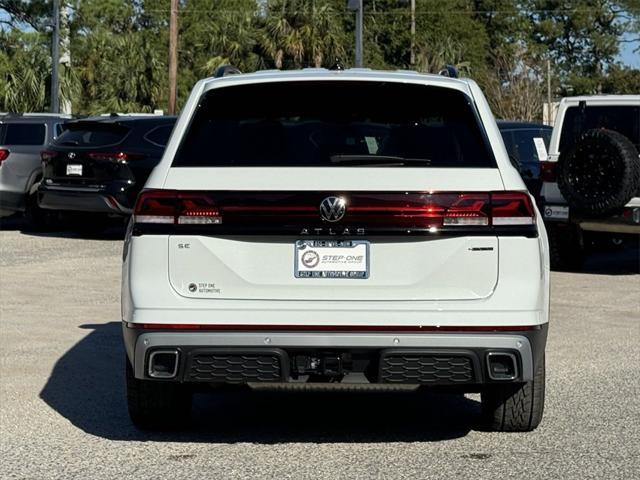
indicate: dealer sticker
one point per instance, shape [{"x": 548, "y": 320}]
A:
[{"x": 556, "y": 212}]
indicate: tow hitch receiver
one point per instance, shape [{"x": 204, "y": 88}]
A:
[{"x": 325, "y": 364}]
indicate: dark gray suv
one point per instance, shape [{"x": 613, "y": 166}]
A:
[{"x": 22, "y": 139}]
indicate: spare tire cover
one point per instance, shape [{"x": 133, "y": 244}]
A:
[{"x": 601, "y": 173}]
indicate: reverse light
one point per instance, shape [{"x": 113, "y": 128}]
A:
[{"x": 511, "y": 208}]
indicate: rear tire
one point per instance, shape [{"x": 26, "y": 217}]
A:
[
  {"x": 37, "y": 219},
  {"x": 566, "y": 247},
  {"x": 515, "y": 408},
  {"x": 157, "y": 405}
]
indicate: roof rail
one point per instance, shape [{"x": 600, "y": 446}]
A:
[
  {"x": 35, "y": 114},
  {"x": 225, "y": 71},
  {"x": 132, "y": 114},
  {"x": 449, "y": 71}
]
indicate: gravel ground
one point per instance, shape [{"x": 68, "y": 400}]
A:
[{"x": 63, "y": 412}]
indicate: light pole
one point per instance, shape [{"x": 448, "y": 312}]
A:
[
  {"x": 413, "y": 32},
  {"x": 356, "y": 5},
  {"x": 173, "y": 56},
  {"x": 55, "y": 59}
]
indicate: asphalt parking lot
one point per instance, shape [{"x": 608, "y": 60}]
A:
[{"x": 63, "y": 411}]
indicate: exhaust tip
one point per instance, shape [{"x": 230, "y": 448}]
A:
[
  {"x": 502, "y": 366},
  {"x": 163, "y": 364}
]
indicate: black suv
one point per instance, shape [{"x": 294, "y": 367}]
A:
[
  {"x": 520, "y": 140},
  {"x": 100, "y": 164}
]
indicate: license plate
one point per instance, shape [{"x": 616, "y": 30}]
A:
[
  {"x": 332, "y": 259},
  {"x": 556, "y": 212},
  {"x": 74, "y": 169}
]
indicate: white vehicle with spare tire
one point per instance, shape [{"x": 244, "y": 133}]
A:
[
  {"x": 591, "y": 181},
  {"x": 336, "y": 227}
]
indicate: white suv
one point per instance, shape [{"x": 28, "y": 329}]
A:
[
  {"x": 591, "y": 180},
  {"x": 342, "y": 227}
]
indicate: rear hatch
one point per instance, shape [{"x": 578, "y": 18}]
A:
[
  {"x": 89, "y": 154},
  {"x": 353, "y": 199}
]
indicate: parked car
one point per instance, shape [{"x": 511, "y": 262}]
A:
[
  {"x": 297, "y": 231},
  {"x": 592, "y": 178},
  {"x": 524, "y": 142},
  {"x": 22, "y": 139},
  {"x": 100, "y": 164}
]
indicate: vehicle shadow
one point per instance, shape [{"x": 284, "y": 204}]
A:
[
  {"x": 111, "y": 230},
  {"x": 622, "y": 262},
  {"x": 86, "y": 386},
  {"x": 11, "y": 222}
]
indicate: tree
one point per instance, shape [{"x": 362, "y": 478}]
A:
[
  {"x": 445, "y": 51},
  {"x": 299, "y": 33},
  {"x": 24, "y": 70},
  {"x": 621, "y": 80},
  {"x": 34, "y": 13},
  {"x": 514, "y": 88},
  {"x": 213, "y": 34},
  {"x": 120, "y": 47},
  {"x": 581, "y": 37}
]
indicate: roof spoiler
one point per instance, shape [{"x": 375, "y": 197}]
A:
[
  {"x": 449, "y": 71},
  {"x": 225, "y": 71}
]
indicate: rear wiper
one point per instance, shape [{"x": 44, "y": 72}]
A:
[
  {"x": 377, "y": 160},
  {"x": 69, "y": 142}
]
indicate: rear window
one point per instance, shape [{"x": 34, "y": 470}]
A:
[
  {"x": 334, "y": 124},
  {"x": 91, "y": 134},
  {"x": 23, "y": 134},
  {"x": 521, "y": 145},
  {"x": 160, "y": 135},
  {"x": 622, "y": 119}
]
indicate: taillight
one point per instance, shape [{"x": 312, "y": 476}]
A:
[
  {"x": 176, "y": 208},
  {"x": 548, "y": 171},
  {"x": 47, "y": 155},
  {"x": 117, "y": 157},
  {"x": 468, "y": 209},
  {"x": 511, "y": 208},
  {"x": 4, "y": 154},
  {"x": 367, "y": 213}
]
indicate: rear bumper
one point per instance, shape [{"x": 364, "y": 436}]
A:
[
  {"x": 12, "y": 201},
  {"x": 626, "y": 220},
  {"x": 613, "y": 225},
  {"x": 82, "y": 200},
  {"x": 457, "y": 360}
]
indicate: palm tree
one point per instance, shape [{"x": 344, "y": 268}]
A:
[
  {"x": 433, "y": 57},
  {"x": 125, "y": 73},
  {"x": 300, "y": 33},
  {"x": 25, "y": 73},
  {"x": 24, "y": 66}
]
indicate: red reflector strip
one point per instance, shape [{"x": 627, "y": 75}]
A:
[
  {"x": 548, "y": 171},
  {"x": 331, "y": 328}
]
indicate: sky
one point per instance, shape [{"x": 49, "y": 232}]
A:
[{"x": 628, "y": 56}]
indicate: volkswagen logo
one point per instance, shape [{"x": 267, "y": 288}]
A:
[{"x": 332, "y": 209}]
